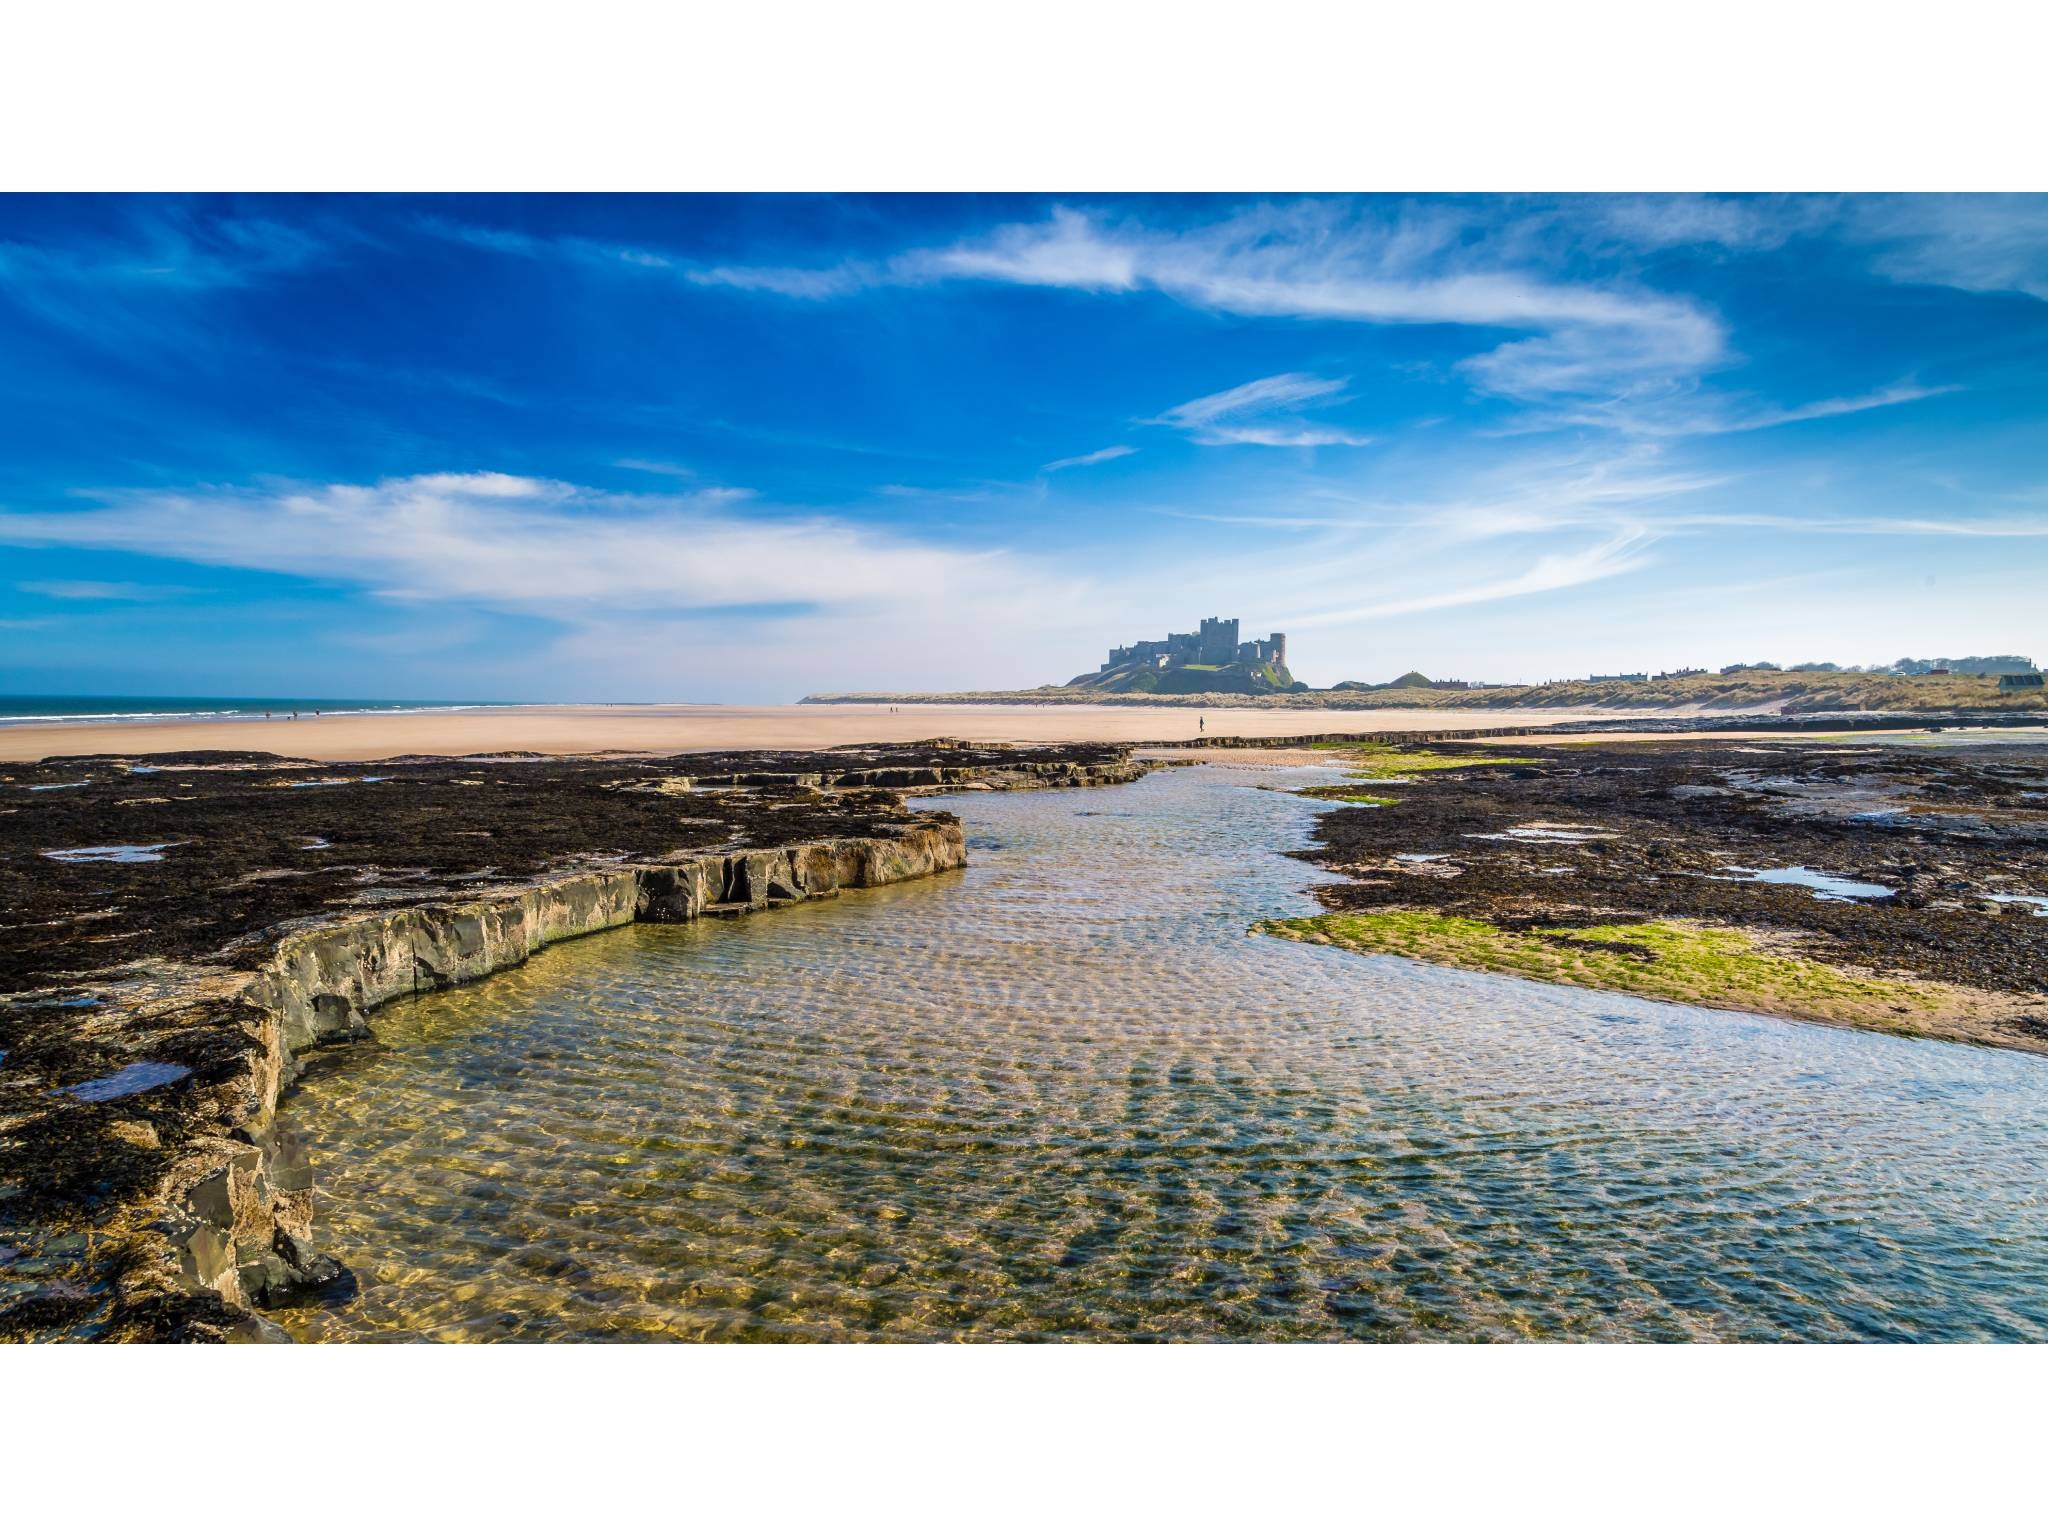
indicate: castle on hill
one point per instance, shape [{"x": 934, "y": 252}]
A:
[
  {"x": 1210, "y": 659},
  {"x": 1215, "y": 644}
]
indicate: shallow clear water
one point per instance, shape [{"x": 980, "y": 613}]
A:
[{"x": 1064, "y": 1094}]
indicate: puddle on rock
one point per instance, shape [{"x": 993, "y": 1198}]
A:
[
  {"x": 2038, "y": 903},
  {"x": 111, "y": 853},
  {"x": 138, "y": 1077},
  {"x": 1825, "y": 887},
  {"x": 1544, "y": 832}
]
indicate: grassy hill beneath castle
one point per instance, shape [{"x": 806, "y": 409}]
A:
[{"x": 1189, "y": 678}]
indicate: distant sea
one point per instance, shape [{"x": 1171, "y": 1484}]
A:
[{"x": 44, "y": 708}]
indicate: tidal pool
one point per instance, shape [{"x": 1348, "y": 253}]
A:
[
  {"x": 1825, "y": 887},
  {"x": 1064, "y": 1095}
]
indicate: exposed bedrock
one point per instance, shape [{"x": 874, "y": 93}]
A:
[
  {"x": 180, "y": 929},
  {"x": 142, "y": 1082},
  {"x": 228, "y": 1229}
]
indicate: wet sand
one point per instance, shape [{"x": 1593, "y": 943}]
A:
[{"x": 584, "y": 728}]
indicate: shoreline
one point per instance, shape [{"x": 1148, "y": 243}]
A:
[
  {"x": 572, "y": 730},
  {"x": 590, "y": 729}
]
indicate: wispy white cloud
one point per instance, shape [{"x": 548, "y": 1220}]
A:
[
  {"x": 1550, "y": 571},
  {"x": 646, "y": 590},
  {"x": 1312, "y": 260},
  {"x": 705, "y": 584},
  {"x": 790, "y": 282},
  {"x": 1282, "y": 389},
  {"x": 1709, "y": 418},
  {"x": 1221, "y": 418},
  {"x": 979, "y": 491},
  {"x": 521, "y": 544},
  {"x": 1981, "y": 243},
  {"x": 168, "y": 252},
  {"x": 1925, "y": 525},
  {"x": 1083, "y": 460},
  {"x": 134, "y": 287},
  {"x": 103, "y": 591},
  {"x": 1654, "y": 223},
  {"x": 1818, "y": 410},
  {"x": 1325, "y": 261},
  {"x": 1631, "y": 491},
  {"x": 657, "y": 467},
  {"x": 1604, "y": 352},
  {"x": 1269, "y": 436}
]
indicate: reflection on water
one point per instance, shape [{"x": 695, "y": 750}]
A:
[{"x": 1065, "y": 1095}]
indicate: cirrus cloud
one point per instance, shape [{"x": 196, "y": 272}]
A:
[{"x": 518, "y": 543}]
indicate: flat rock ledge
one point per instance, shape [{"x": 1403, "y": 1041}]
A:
[{"x": 182, "y": 1224}]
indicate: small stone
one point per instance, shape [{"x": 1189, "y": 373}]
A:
[
  {"x": 212, "y": 1201},
  {"x": 255, "y": 1328},
  {"x": 291, "y": 1169}
]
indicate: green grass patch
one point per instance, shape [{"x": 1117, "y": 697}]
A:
[
  {"x": 1348, "y": 796},
  {"x": 1669, "y": 961},
  {"x": 1378, "y": 762}
]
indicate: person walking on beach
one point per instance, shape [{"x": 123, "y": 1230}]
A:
[{"x": 1201, "y": 725}]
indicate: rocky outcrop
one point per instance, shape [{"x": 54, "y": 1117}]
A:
[
  {"x": 230, "y": 1227},
  {"x": 1050, "y": 774}
]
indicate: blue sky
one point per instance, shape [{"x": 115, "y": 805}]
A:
[{"x": 745, "y": 448}]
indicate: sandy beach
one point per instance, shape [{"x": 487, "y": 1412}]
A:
[{"x": 583, "y": 728}]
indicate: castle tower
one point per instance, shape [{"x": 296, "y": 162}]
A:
[{"x": 1218, "y": 644}]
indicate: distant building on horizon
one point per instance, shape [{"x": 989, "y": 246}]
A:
[
  {"x": 2014, "y": 682},
  {"x": 1215, "y": 644}
]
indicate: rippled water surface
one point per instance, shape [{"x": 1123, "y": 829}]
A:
[{"x": 1065, "y": 1095}]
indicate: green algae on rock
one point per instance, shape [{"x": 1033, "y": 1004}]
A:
[
  {"x": 1344, "y": 793},
  {"x": 1633, "y": 866},
  {"x": 1673, "y": 962},
  {"x": 1378, "y": 761}
]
